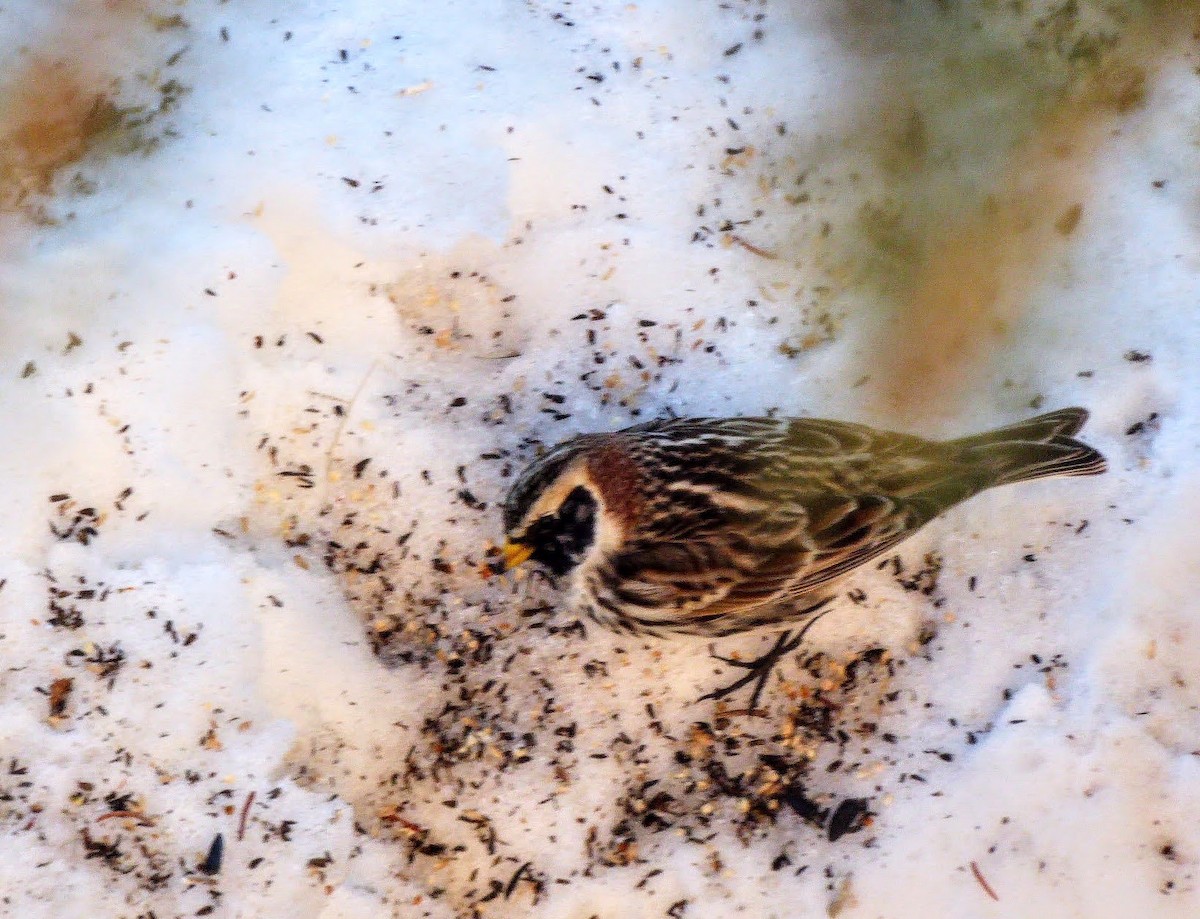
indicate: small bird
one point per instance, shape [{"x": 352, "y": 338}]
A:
[{"x": 714, "y": 526}]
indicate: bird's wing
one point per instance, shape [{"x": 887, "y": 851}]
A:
[
  {"x": 779, "y": 510},
  {"x": 866, "y": 526},
  {"x": 739, "y": 568}
]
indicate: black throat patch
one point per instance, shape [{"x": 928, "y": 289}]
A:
[{"x": 560, "y": 540}]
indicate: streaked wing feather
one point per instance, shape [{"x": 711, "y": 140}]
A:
[
  {"x": 831, "y": 566},
  {"x": 801, "y": 569},
  {"x": 682, "y": 576},
  {"x": 783, "y": 509}
]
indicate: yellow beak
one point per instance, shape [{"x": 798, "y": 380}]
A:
[{"x": 515, "y": 554}]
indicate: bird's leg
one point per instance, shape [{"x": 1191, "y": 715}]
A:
[{"x": 759, "y": 668}]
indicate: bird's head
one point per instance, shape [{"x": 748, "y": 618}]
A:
[{"x": 556, "y": 513}]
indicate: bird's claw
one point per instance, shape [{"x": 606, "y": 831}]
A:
[
  {"x": 759, "y": 668},
  {"x": 737, "y": 662}
]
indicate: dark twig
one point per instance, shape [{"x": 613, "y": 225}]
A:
[
  {"x": 241, "y": 832},
  {"x": 987, "y": 888}
]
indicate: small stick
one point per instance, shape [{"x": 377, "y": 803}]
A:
[
  {"x": 987, "y": 888},
  {"x": 345, "y": 418},
  {"x": 752, "y": 712},
  {"x": 241, "y": 834},
  {"x": 750, "y": 247}
]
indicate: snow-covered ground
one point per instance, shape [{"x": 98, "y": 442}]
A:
[{"x": 290, "y": 291}]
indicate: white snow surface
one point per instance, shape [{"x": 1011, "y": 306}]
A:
[{"x": 431, "y": 236}]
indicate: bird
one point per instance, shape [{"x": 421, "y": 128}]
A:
[{"x": 718, "y": 526}]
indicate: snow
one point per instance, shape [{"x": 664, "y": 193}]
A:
[{"x": 289, "y": 305}]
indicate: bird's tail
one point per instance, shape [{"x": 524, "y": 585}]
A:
[{"x": 1034, "y": 449}]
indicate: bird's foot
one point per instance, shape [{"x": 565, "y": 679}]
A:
[{"x": 758, "y": 669}]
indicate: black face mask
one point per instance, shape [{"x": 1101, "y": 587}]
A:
[{"x": 560, "y": 540}]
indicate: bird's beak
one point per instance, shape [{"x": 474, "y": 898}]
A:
[{"x": 515, "y": 554}]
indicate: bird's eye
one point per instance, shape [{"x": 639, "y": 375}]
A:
[{"x": 578, "y": 511}]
